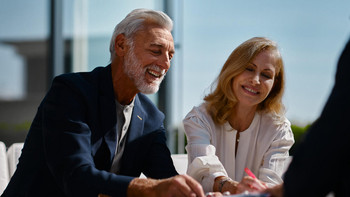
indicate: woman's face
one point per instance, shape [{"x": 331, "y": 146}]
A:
[{"x": 254, "y": 84}]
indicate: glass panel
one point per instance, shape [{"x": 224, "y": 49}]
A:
[
  {"x": 23, "y": 65},
  {"x": 24, "y": 70},
  {"x": 88, "y": 27}
]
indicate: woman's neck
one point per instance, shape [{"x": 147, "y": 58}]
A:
[{"x": 242, "y": 117}]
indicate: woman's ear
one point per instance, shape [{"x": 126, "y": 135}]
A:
[{"x": 120, "y": 45}]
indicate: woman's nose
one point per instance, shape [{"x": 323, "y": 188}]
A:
[{"x": 255, "y": 79}]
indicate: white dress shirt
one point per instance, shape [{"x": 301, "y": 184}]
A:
[{"x": 263, "y": 148}]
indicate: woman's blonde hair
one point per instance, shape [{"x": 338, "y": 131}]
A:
[{"x": 222, "y": 100}]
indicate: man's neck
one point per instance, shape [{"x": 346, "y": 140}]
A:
[{"x": 124, "y": 88}]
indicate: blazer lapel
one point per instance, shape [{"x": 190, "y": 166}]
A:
[{"x": 137, "y": 121}]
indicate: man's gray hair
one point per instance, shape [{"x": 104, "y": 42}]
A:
[{"x": 134, "y": 21}]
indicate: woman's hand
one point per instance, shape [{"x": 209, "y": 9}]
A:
[
  {"x": 276, "y": 191},
  {"x": 252, "y": 185},
  {"x": 217, "y": 194},
  {"x": 213, "y": 194},
  {"x": 225, "y": 184}
]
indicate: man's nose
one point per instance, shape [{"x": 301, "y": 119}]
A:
[{"x": 164, "y": 62}]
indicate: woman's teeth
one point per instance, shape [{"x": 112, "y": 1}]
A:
[{"x": 250, "y": 90}]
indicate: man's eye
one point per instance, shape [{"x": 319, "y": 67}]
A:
[{"x": 157, "y": 52}]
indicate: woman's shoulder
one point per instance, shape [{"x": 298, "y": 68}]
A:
[
  {"x": 199, "y": 111},
  {"x": 274, "y": 121},
  {"x": 199, "y": 114},
  {"x": 274, "y": 127}
]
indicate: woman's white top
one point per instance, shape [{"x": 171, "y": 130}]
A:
[{"x": 263, "y": 148}]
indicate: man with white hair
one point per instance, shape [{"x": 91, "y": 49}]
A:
[{"x": 95, "y": 132}]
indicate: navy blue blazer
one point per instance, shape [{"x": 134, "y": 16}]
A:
[
  {"x": 321, "y": 162},
  {"x": 75, "y": 125}
]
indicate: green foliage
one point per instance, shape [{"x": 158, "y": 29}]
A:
[
  {"x": 15, "y": 127},
  {"x": 14, "y": 132},
  {"x": 299, "y": 132}
]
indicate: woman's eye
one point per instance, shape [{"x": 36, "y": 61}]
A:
[
  {"x": 268, "y": 76},
  {"x": 249, "y": 69}
]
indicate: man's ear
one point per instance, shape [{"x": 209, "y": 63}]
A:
[{"x": 120, "y": 46}]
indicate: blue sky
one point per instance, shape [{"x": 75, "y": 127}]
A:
[{"x": 311, "y": 35}]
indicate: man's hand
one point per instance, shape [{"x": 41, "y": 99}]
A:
[{"x": 180, "y": 185}]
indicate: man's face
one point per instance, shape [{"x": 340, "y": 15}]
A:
[{"x": 148, "y": 58}]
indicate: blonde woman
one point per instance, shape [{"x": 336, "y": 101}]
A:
[{"x": 241, "y": 123}]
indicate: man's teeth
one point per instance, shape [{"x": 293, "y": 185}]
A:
[
  {"x": 250, "y": 90},
  {"x": 154, "y": 73}
]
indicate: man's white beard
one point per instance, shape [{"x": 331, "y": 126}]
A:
[{"x": 133, "y": 69}]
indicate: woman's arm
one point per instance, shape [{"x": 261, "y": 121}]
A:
[
  {"x": 275, "y": 158},
  {"x": 203, "y": 165}
]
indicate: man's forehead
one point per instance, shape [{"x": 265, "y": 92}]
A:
[
  {"x": 156, "y": 37},
  {"x": 168, "y": 46}
]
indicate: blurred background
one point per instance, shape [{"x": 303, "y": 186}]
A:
[{"x": 40, "y": 39}]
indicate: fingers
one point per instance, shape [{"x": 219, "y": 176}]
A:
[
  {"x": 179, "y": 184},
  {"x": 276, "y": 191},
  {"x": 214, "y": 194},
  {"x": 195, "y": 186},
  {"x": 250, "y": 184},
  {"x": 188, "y": 186},
  {"x": 257, "y": 185},
  {"x": 103, "y": 195}
]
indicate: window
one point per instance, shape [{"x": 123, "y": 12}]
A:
[{"x": 25, "y": 70}]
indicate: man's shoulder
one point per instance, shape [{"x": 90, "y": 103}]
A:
[
  {"x": 147, "y": 103},
  {"x": 82, "y": 77},
  {"x": 82, "y": 84},
  {"x": 148, "y": 107},
  {"x": 84, "y": 81}
]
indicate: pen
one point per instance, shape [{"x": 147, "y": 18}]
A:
[{"x": 249, "y": 173}]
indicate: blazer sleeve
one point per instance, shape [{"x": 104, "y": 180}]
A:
[
  {"x": 67, "y": 145},
  {"x": 158, "y": 162}
]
